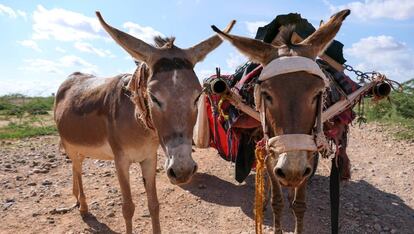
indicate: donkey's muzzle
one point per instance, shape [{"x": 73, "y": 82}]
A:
[{"x": 292, "y": 154}]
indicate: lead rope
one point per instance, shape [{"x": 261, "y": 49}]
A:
[{"x": 260, "y": 154}]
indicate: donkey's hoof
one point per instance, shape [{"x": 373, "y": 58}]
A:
[{"x": 83, "y": 210}]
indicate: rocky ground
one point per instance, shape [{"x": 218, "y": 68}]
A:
[{"x": 35, "y": 189}]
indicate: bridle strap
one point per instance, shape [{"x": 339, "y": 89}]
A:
[
  {"x": 290, "y": 64},
  {"x": 263, "y": 120},
  {"x": 292, "y": 142}
]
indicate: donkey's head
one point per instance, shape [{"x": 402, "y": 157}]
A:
[
  {"x": 166, "y": 90},
  {"x": 289, "y": 94}
]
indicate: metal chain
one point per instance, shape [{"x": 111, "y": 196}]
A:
[{"x": 361, "y": 76}]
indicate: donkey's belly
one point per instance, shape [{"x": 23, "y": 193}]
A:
[
  {"x": 102, "y": 151},
  {"x": 137, "y": 153}
]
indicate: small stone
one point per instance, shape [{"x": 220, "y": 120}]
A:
[
  {"x": 56, "y": 195},
  {"x": 7, "y": 166},
  {"x": 10, "y": 200},
  {"x": 111, "y": 214},
  {"x": 33, "y": 193},
  {"x": 46, "y": 182},
  {"x": 40, "y": 171},
  {"x": 111, "y": 203},
  {"x": 31, "y": 184},
  {"x": 7, "y": 205},
  {"x": 377, "y": 227},
  {"x": 60, "y": 210},
  {"x": 35, "y": 214},
  {"x": 146, "y": 214}
]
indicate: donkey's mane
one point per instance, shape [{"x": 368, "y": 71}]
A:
[
  {"x": 284, "y": 37},
  {"x": 164, "y": 41}
]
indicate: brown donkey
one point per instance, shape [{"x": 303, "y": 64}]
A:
[
  {"x": 289, "y": 97},
  {"x": 125, "y": 118}
]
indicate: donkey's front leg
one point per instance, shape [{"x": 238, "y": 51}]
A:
[
  {"x": 277, "y": 198},
  {"x": 122, "y": 164},
  {"x": 148, "y": 168},
  {"x": 298, "y": 206}
]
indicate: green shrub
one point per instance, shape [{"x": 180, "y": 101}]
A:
[
  {"x": 36, "y": 107},
  {"x": 398, "y": 113},
  {"x": 17, "y": 105},
  {"x": 15, "y": 130},
  {"x": 15, "y": 110}
]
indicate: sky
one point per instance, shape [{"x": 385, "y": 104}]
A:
[{"x": 42, "y": 42}]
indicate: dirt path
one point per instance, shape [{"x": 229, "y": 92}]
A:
[{"x": 35, "y": 180}]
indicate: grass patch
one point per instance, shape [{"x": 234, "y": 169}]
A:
[
  {"x": 396, "y": 113},
  {"x": 23, "y": 116},
  {"x": 15, "y": 130}
]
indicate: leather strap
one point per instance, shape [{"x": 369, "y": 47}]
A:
[{"x": 334, "y": 197}]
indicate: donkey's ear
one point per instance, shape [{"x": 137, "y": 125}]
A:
[
  {"x": 198, "y": 52},
  {"x": 134, "y": 46},
  {"x": 255, "y": 50},
  {"x": 318, "y": 41}
]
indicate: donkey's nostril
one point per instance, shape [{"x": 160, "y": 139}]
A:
[
  {"x": 171, "y": 173},
  {"x": 307, "y": 172},
  {"x": 279, "y": 172}
]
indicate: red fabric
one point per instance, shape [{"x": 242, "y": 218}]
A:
[
  {"x": 249, "y": 76},
  {"x": 226, "y": 142}
]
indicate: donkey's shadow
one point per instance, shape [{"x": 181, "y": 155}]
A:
[
  {"x": 361, "y": 204},
  {"x": 95, "y": 226}
]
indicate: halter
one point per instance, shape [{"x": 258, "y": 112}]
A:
[{"x": 292, "y": 142}]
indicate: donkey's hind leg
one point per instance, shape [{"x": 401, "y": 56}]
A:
[{"x": 77, "y": 186}]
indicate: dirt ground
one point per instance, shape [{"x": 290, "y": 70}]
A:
[{"x": 35, "y": 182}]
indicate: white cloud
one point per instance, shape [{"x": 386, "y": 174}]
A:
[
  {"x": 235, "y": 60},
  {"x": 204, "y": 73},
  {"x": 64, "y": 25},
  {"x": 88, "y": 48},
  {"x": 144, "y": 33},
  {"x": 5, "y": 10},
  {"x": 67, "y": 62},
  {"x": 59, "y": 49},
  {"x": 384, "y": 54},
  {"x": 44, "y": 86},
  {"x": 375, "y": 9},
  {"x": 22, "y": 14},
  {"x": 253, "y": 26},
  {"x": 30, "y": 44}
]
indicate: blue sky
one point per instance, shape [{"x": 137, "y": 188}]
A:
[{"x": 44, "y": 41}]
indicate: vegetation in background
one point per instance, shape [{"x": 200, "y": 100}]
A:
[
  {"x": 397, "y": 112},
  {"x": 23, "y": 116}
]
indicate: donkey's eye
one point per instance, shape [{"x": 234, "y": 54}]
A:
[
  {"x": 267, "y": 97},
  {"x": 155, "y": 100}
]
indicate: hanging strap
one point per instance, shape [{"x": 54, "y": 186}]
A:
[{"x": 334, "y": 197}]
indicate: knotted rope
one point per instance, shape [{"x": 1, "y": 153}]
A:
[{"x": 260, "y": 153}]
